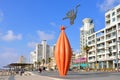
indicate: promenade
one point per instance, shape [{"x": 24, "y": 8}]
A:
[
  {"x": 84, "y": 75},
  {"x": 71, "y": 76},
  {"x": 30, "y": 77}
]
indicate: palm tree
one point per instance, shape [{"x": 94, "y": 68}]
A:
[
  {"x": 43, "y": 61},
  {"x": 35, "y": 63},
  {"x": 86, "y": 49},
  {"x": 39, "y": 63},
  {"x": 49, "y": 60}
]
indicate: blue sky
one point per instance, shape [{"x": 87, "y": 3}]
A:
[{"x": 23, "y": 23}]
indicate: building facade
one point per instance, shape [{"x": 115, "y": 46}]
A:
[
  {"x": 42, "y": 51},
  {"x": 22, "y": 59},
  {"x": 105, "y": 44},
  {"x": 85, "y": 30}
]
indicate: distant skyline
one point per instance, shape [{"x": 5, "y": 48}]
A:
[{"x": 23, "y": 23}]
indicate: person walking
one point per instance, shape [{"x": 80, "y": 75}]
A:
[{"x": 40, "y": 70}]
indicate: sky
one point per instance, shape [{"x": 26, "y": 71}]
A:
[{"x": 23, "y": 23}]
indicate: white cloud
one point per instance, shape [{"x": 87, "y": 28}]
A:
[
  {"x": 10, "y": 36},
  {"x": 8, "y": 55},
  {"x": 108, "y": 4},
  {"x": 45, "y": 36},
  {"x": 32, "y": 44}
]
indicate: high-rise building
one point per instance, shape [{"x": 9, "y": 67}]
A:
[
  {"x": 52, "y": 51},
  {"x": 104, "y": 44},
  {"x": 85, "y": 30},
  {"x": 33, "y": 57},
  {"x": 22, "y": 59},
  {"x": 42, "y": 51}
]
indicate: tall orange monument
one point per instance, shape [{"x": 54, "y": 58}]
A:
[{"x": 63, "y": 51}]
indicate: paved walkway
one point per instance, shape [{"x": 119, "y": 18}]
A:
[
  {"x": 84, "y": 75},
  {"x": 70, "y": 76},
  {"x": 4, "y": 77},
  {"x": 31, "y": 77}
]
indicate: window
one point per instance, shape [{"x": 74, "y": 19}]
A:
[
  {"x": 114, "y": 47},
  {"x": 118, "y": 25},
  {"x": 113, "y": 19},
  {"x": 113, "y": 13},
  {"x": 114, "y": 33},
  {"x": 98, "y": 39},
  {"x": 114, "y": 40},
  {"x": 98, "y": 45},
  {"x": 99, "y": 56},
  {"x": 118, "y": 10}
]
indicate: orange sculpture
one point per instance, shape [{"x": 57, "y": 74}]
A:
[{"x": 63, "y": 53}]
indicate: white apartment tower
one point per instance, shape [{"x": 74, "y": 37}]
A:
[
  {"x": 85, "y": 30},
  {"x": 104, "y": 44},
  {"x": 33, "y": 57},
  {"x": 52, "y": 51},
  {"x": 42, "y": 51}
]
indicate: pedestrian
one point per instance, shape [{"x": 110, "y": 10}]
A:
[
  {"x": 21, "y": 72},
  {"x": 40, "y": 70}
]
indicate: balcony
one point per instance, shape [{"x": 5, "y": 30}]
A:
[
  {"x": 90, "y": 55},
  {"x": 118, "y": 25},
  {"x": 111, "y": 44},
  {"x": 112, "y": 57},
  {"x": 110, "y": 37},
  {"x": 107, "y": 58},
  {"x": 114, "y": 50},
  {"x": 100, "y": 41},
  {"x": 91, "y": 44},
  {"x": 100, "y": 53},
  {"x": 118, "y": 17},
  {"x": 91, "y": 60},
  {"x": 100, "y": 47},
  {"x": 93, "y": 49},
  {"x": 108, "y": 23},
  {"x": 101, "y": 59},
  {"x": 118, "y": 11},
  {"x": 107, "y": 19}
]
